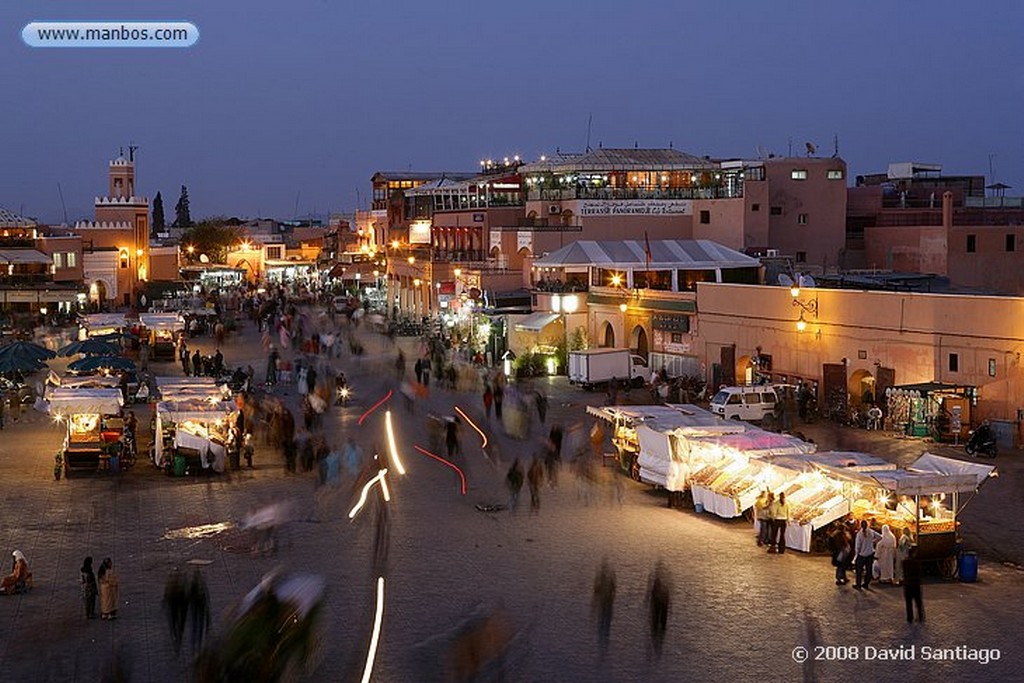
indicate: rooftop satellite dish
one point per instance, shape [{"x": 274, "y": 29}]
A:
[
  {"x": 785, "y": 280},
  {"x": 811, "y": 149},
  {"x": 806, "y": 281}
]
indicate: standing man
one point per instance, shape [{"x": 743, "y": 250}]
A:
[
  {"x": 864, "y": 547},
  {"x": 780, "y": 522},
  {"x": 912, "y": 585},
  {"x": 764, "y": 523},
  {"x": 184, "y": 356}
]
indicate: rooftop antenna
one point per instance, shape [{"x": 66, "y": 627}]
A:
[
  {"x": 790, "y": 153},
  {"x": 61, "y": 193},
  {"x": 359, "y": 201},
  {"x": 991, "y": 173},
  {"x": 835, "y": 145},
  {"x": 131, "y": 150},
  {"x": 590, "y": 120},
  {"x": 295, "y": 213},
  {"x": 670, "y": 144},
  {"x": 636, "y": 145}
]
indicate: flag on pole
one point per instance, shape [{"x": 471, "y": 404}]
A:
[{"x": 647, "y": 250}]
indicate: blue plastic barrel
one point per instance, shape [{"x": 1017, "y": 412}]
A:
[
  {"x": 699, "y": 507},
  {"x": 968, "y": 567}
]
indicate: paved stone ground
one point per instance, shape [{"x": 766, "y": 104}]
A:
[{"x": 737, "y": 613}]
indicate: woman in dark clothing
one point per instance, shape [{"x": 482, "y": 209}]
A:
[{"x": 89, "y": 588}]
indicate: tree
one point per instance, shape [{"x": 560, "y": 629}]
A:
[
  {"x": 212, "y": 236},
  {"x": 182, "y": 217},
  {"x": 158, "y": 214}
]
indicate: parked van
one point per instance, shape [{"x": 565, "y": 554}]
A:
[{"x": 752, "y": 403}]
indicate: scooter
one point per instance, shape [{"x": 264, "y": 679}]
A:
[
  {"x": 981, "y": 441},
  {"x": 344, "y": 393}
]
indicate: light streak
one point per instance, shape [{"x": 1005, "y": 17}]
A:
[
  {"x": 366, "y": 490},
  {"x": 473, "y": 425},
  {"x": 374, "y": 407},
  {"x": 446, "y": 462},
  {"x": 391, "y": 443},
  {"x": 378, "y": 617}
]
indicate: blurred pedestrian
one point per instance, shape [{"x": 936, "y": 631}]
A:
[
  {"x": 175, "y": 605},
  {"x": 498, "y": 398},
  {"x": 451, "y": 437},
  {"x": 514, "y": 481},
  {"x": 659, "y": 597},
  {"x": 110, "y": 590},
  {"x": 603, "y": 602},
  {"x": 912, "y": 586},
  {"x": 418, "y": 369},
  {"x": 199, "y": 608},
  {"x": 89, "y": 588},
  {"x": 534, "y": 478},
  {"x": 542, "y": 406},
  {"x": 488, "y": 399}
]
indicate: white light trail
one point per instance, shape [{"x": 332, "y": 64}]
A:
[
  {"x": 366, "y": 490},
  {"x": 372, "y": 654},
  {"x": 391, "y": 443}
]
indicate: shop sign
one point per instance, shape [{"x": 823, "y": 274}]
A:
[
  {"x": 478, "y": 218},
  {"x": 495, "y": 239},
  {"x": 524, "y": 240},
  {"x": 956, "y": 423},
  {"x": 670, "y": 323},
  {"x": 419, "y": 232},
  {"x": 636, "y": 207}
]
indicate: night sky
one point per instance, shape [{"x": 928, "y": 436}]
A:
[{"x": 303, "y": 99}]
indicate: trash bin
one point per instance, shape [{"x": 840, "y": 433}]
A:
[
  {"x": 180, "y": 464},
  {"x": 968, "y": 567},
  {"x": 698, "y": 507}
]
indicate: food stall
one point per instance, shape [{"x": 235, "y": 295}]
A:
[
  {"x": 162, "y": 330},
  {"x": 815, "y": 499},
  {"x": 193, "y": 430},
  {"x": 94, "y": 425},
  {"x": 660, "y": 421},
  {"x": 727, "y": 473},
  {"x": 924, "y": 499},
  {"x": 174, "y": 389},
  {"x": 101, "y": 324}
]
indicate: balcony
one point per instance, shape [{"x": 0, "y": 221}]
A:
[{"x": 623, "y": 193}]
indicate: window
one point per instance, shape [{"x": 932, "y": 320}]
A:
[
  {"x": 735, "y": 399},
  {"x": 801, "y": 257},
  {"x": 834, "y": 174},
  {"x": 755, "y": 207},
  {"x": 954, "y": 362},
  {"x": 769, "y": 397},
  {"x": 705, "y": 217},
  {"x": 775, "y": 211},
  {"x": 124, "y": 258},
  {"x": 71, "y": 259},
  {"x": 57, "y": 262},
  {"x": 1011, "y": 243},
  {"x": 677, "y": 337},
  {"x": 798, "y": 174},
  {"x": 801, "y": 219},
  {"x": 274, "y": 253},
  {"x": 972, "y": 243}
]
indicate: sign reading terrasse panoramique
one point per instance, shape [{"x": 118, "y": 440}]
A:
[{"x": 636, "y": 207}]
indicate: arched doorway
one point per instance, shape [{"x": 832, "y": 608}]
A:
[
  {"x": 745, "y": 370},
  {"x": 861, "y": 386},
  {"x": 98, "y": 293},
  {"x": 638, "y": 341},
  {"x": 608, "y": 335}
]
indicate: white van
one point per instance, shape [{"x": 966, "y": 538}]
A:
[{"x": 751, "y": 403}]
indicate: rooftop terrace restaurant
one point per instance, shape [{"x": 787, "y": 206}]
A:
[
  {"x": 671, "y": 266},
  {"x": 636, "y": 174}
]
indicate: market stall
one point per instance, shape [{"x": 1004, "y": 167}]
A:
[
  {"x": 660, "y": 421},
  {"x": 162, "y": 330},
  {"x": 100, "y": 324},
  {"x": 923, "y": 500},
  {"x": 727, "y": 472},
  {"x": 936, "y": 409},
  {"x": 175, "y": 389},
  {"x": 94, "y": 425},
  {"x": 192, "y": 430}
]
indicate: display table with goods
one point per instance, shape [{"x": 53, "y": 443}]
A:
[
  {"x": 177, "y": 389},
  {"x": 162, "y": 330},
  {"x": 93, "y": 426},
  {"x": 195, "y": 430},
  {"x": 726, "y": 472}
]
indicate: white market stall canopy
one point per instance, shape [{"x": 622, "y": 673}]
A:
[
  {"x": 926, "y": 476},
  {"x": 162, "y": 321},
  {"x": 679, "y": 417},
  {"x": 105, "y": 321},
  {"x": 757, "y": 443},
  {"x": 849, "y": 461},
  {"x": 66, "y": 401},
  {"x": 177, "y": 389}
]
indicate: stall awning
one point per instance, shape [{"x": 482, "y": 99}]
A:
[
  {"x": 18, "y": 256},
  {"x": 162, "y": 321},
  {"x": 936, "y": 464},
  {"x": 197, "y": 410},
  {"x": 535, "y": 322},
  {"x": 105, "y": 320},
  {"x": 74, "y": 401}
]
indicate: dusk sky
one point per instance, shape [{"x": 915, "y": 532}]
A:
[{"x": 309, "y": 98}]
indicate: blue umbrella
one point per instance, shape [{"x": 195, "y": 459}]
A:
[
  {"x": 19, "y": 363},
  {"x": 94, "y": 363},
  {"x": 24, "y": 349},
  {"x": 90, "y": 347}
]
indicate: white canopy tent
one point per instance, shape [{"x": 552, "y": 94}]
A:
[
  {"x": 65, "y": 401},
  {"x": 203, "y": 414}
]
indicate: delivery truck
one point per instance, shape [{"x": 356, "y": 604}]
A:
[{"x": 596, "y": 367}]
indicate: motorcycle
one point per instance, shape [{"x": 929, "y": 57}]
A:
[
  {"x": 981, "y": 441},
  {"x": 344, "y": 394}
]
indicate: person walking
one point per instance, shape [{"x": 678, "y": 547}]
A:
[
  {"x": 514, "y": 482},
  {"x": 603, "y": 602},
  {"x": 418, "y": 369},
  {"x": 89, "y": 588},
  {"x": 197, "y": 364},
  {"x": 780, "y": 522},
  {"x": 199, "y": 607},
  {"x": 659, "y": 597},
  {"x": 451, "y": 437},
  {"x": 839, "y": 544},
  {"x": 488, "y": 399},
  {"x": 534, "y": 478},
  {"x": 498, "y": 398},
  {"x": 272, "y": 360},
  {"x": 864, "y": 547},
  {"x": 110, "y": 590},
  {"x": 175, "y": 604},
  {"x": 912, "y": 586},
  {"x": 542, "y": 406},
  {"x": 885, "y": 555}
]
